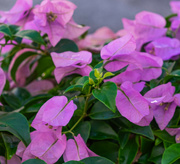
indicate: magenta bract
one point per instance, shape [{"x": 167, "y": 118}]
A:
[
  {"x": 68, "y": 63},
  {"x": 77, "y": 150},
  {"x": 56, "y": 112},
  {"x": 131, "y": 104}
]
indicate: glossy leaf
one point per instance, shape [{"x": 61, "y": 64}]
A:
[
  {"x": 31, "y": 35},
  {"x": 74, "y": 162},
  {"x": 107, "y": 94},
  {"x": 83, "y": 128},
  {"x": 97, "y": 160},
  {"x": 5, "y": 30},
  {"x": 101, "y": 130},
  {"x": 64, "y": 45},
  {"x": 106, "y": 149},
  {"x": 165, "y": 136},
  {"x": 34, "y": 161},
  {"x": 128, "y": 153},
  {"x": 171, "y": 154},
  {"x": 100, "y": 112},
  {"x": 16, "y": 124}
]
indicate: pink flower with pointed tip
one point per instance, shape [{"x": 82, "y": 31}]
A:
[
  {"x": 164, "y": 47},
  {"x": 163, "y": 102},
  {"x": 68, "y": 63},
  {"x": 77, "y": 150},
  {"x": 74, "y": 30},
  {"x": 131, "y": 104},
  {"x": 175, "y": 6},
  {"x": 48, "y": 146},
  {"x": 56, "y": 112},
  {"x": 96, "y": 40},
  {"x": 20, "y": 10},
  {"x": 51, "y": 17},
  {"x": 146, "y": 27}
]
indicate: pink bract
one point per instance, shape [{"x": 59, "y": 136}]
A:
[
  {"x": 56, "y": 112},
  {"x": 77, "y": 150},
  {"x": 131, "y": 104}
]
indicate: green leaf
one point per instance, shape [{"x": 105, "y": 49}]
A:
[
  {"x": 97, "y": 160},
  {"x": 165, "y": 136},
  {"x": 101, "y": 130},
  {"x": 142, "y": 130},
  {"x": 107, "y": 95},
  {"x": 127, "y": 155},
  {"x": 83, "y": 128},
  {"x": 74, "y": 162},
  {"x": 5, "y": 30},
  {"x": 16, "y": 124},
  {"x": 31, "y": 35},
  {"x": 100, "y": 112},
  {"x": 34, "y": 161},
  {"x": 18, "y": 61},
  {"x": 106, "y": 149},
  {"x": 44, "y": 63},
  {"x": 10, "y": 143},
  {"x": 171, "y": 154},
  {"x": 123, "y": 138},
  {"x": 107, "y": 74},
  {"x": 65, "y": 45},
  {"x": 156, "y": 154},
  {"x": 73, "y": 88}
]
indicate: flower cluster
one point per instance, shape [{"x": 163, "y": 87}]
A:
[{"x": 86, "y": 96}]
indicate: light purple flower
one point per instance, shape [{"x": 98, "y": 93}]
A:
[
  {"x": 51, "y": 17},
  {"x": 146, "y": 27},
  {"x": 131, "y": 104},
  {"x": 48, "y": 146},
  {"x": 56, "y": 112},
  {"x": 96, "y": 40},
  {"x": 74, "y": 30},
  {"x": 68, "y": 63},
  {"x": 77, "y": 150},
  {"x": 141, "y": 66},
  {"x": 163, "y": 102},
  {"x": 175, "y": 6},
  {"x": 164, "y": 47},
  {"x": 19, "y": 11}
]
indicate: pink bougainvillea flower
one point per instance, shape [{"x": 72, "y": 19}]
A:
[
  {"x": 14, "y": 160},
  {"x": 20, "y": 10},
  {"x": 39, "y": 87},
  {"x": 56, "y": 112},
  {"x": 163, "y": 102},
  {"x": 23, "y": 70},
  {"x": 173, "y": 132},
  {"x": 146, "y": 27},
  {"x": 51, "y": 17},
  {"x": 96, "y": 40},
  {"x": 77, "y": 150},
  {"x": 48, "y": 146},
  {"x": 121, "y": 46},
  {"x": 131, "y": 104},
  {"x": 141, "y": 66},
  {"x": 164, "y": 47},
  {"x": 151, "y": 66},
  {"x": 74, "y": 30},
  {"x": 175, "y": 6},
  {"x": 68, "y": 63}
]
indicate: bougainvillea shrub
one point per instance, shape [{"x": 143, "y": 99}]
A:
[{"x": 67, "y": 96}]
